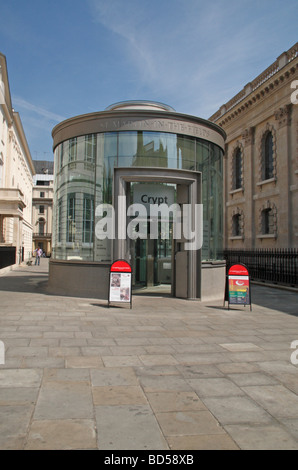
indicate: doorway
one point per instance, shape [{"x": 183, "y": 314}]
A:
[
  {"x": 151, "y": 257},
  {"x": 157, "y": 260}
]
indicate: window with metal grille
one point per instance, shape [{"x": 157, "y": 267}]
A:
[
  {"x": 267, "y": 221},
  {"x": 267, "y": 157},
  {"x": 236, "y": 225},
  {"x": 237, "y": 170}
]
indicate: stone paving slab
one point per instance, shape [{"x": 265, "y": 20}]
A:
[
  {"x": 133, "y": 427},
  {"x": 73, "y": 434},
  {"x": 168, "y": 374},
  {"x": 260, "y": 437}
]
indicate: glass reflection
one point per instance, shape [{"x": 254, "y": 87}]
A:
[{"x": 84, "y": 168}]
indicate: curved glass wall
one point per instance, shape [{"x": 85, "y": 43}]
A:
[{"x": 84, "y": 178}]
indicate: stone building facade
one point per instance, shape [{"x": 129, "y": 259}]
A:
[
  {"x": 42, "y": 206},
  {"x": 16, "y": 180},
  {"x": 261, "y": 159}
]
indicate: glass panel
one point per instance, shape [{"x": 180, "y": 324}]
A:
[
  {"x": 163, "y": 255},
  {"x": 57, "y": 204},
  {"x": 84, "y": 176},
  {"x": 88, "y": 218},
  {"x": 106, "y": 160},
  {"x": 72, "y": 155},
  {"x": 152, "y": 257},
  {"x": 110, "y": 160},
  {"x": 103, "y": 191},
  {"x": 58, "y": 156},
  {"x": 153, "y": 149},
  {"x": 65, "y": 153},
  {"x": 99, "y": 169},
  {"x": 59, "y": 220},
  {"x": 202, "y": 162},
  {"x": 161, "y": 149},
  {"x": 147, "y": 149},
  {"x": 139, "y": 260},
  {"x": 127, "y": 148},
  {"x": 71, "y": 219},
  {"x": 216, "y": 203},
  {"x": 73, "y": 181},
  {"x": 186, "y": 152},
  {"x": 209, "y": 162}
]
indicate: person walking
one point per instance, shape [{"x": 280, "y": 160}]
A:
[{"x": 38, "y": 252}]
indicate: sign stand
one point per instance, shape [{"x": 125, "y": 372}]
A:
[
  {"x": 238, "y": 290},
  {"x": 120, "y": 283}
]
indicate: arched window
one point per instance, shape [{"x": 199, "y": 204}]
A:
[
  {"x": 267, "y": 157},
  {"x": 236, "y": 225},
  {"x": 267, "y": 221},
  {"x": 237, "y": 169}
]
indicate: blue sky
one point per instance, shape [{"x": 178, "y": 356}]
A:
[{"x": 71, "y": 57}]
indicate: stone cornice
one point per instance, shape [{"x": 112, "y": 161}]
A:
[
  {"x": 259, "y": 94},
  {"x": 18, "y": 137},
  {"x": 282, "y": 71},
  {"x": 6, "y": 105}
]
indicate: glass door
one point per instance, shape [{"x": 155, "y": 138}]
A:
[
  {"x": 163, "y": 254},
  {"x": 139, "y": 258},
  {"x": 151, "y": 258}
]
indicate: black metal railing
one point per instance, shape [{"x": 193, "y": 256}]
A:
[
  {"x": 279, "y": 266},
  {"x": 42, "y": 235}
]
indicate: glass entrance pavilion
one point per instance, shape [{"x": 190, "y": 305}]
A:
[{"x": 153, "y": 154}]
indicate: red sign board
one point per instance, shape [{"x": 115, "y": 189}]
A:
[
  {"x": 120, "y": 266},
  {"x": 238, "y": 270},
  {"x": 120, "y": 282},
  {"x": 238, "y": 285}
]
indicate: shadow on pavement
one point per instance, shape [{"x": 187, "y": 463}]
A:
[
  {"x": 273, "y": 298},
  {"x": 34, "y": 279},
  {"x": 25, "y": 283},
  {"x": 30, "y": 279}
]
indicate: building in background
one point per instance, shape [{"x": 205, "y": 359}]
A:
[
  {"x": 42, "y": 206},
  {"x": 261, "y": 159},
  {"x": 16, "y": 181}
]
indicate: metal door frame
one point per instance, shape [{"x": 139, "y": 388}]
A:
[{"x": 192, "y": 181}]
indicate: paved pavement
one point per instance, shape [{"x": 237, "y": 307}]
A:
[{"x": 168, "y": 374}]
